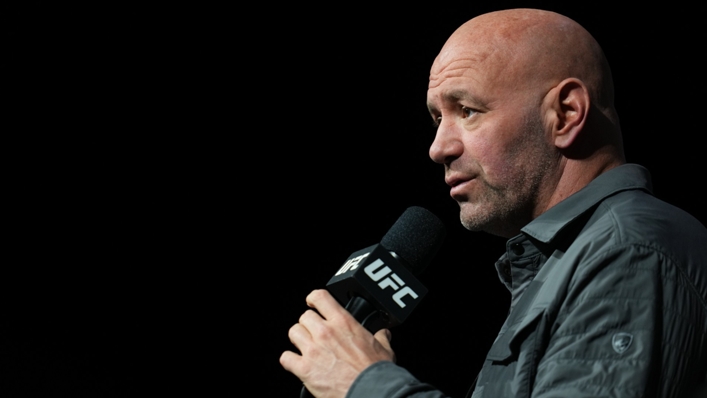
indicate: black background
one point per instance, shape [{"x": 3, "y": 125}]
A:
[{"x": 181, "y": 178}]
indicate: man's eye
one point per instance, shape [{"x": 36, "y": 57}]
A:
[
  {"x": 437, "y": 121},
  {"x": 467, "y": 112}
]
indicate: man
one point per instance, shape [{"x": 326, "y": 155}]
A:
[{"x": 608, "y": 284}]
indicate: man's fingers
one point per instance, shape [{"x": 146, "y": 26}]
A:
[
  {"x": 325, "y": 304},
  {"x": 334, "y": 347},
  {"x": 384, "y": 336},
  {"x": 299, "y": 335},
  {"x": 289, "y": 361},
  {"x": 323, "y": 301},
  {"x": 309, "y": 317}
]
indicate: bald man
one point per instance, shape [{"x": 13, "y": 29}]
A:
[{"x": 608, "y": 283}]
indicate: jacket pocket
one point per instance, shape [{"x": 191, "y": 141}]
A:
[{"x": 523, "y": 318}]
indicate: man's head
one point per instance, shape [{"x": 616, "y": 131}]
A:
[{"x": 523, "y": 100}]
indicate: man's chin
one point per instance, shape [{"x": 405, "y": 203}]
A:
[
  {"x": 479, "y": 221},
  {"x": 470, "y": 219}
]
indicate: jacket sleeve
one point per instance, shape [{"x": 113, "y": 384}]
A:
[{"x": 387, "y": 380}]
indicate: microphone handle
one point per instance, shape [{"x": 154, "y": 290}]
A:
[{"x": 366, "y": 314}]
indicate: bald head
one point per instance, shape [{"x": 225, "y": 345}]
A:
[{"x": 532, "y": 49}]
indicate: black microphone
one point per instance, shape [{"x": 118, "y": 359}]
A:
[{"x": 378, "y": 284}]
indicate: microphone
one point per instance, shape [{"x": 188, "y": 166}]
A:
[{"x": 378, "y": 284}]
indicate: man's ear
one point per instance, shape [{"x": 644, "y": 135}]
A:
[{"x": 568, "y": 107}]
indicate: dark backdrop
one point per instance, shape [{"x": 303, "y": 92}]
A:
[{"x": 181, "y": 178}]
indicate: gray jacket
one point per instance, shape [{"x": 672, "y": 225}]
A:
[{"x": 609, "y": 299}]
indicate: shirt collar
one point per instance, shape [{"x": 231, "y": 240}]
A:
[{"x": 625, "y": 177}]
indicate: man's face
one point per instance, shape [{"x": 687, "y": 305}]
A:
[{"x": 497, "y": 156}]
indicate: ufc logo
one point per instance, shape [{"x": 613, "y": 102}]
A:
[
  {"x": 375, "y": 272},
  {"x": 351, "y": 264}
]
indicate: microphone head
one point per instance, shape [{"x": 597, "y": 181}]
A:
[{"x": 415, "y": 237}]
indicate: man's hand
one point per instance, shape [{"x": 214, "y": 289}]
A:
[{"x": 334, "y": 347}]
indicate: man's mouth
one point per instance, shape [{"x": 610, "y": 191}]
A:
[{"x": 458, "y": 185}]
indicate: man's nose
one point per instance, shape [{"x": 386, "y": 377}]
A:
[{"x": 447, "y": 144}]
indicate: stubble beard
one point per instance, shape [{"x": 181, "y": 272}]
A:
[{"x": 503, "y": 209}]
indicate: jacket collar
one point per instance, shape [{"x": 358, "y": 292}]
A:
[{"x": 625, "y": 177}]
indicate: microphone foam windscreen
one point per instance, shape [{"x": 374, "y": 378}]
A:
[{"x": 415, "y": 237}]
